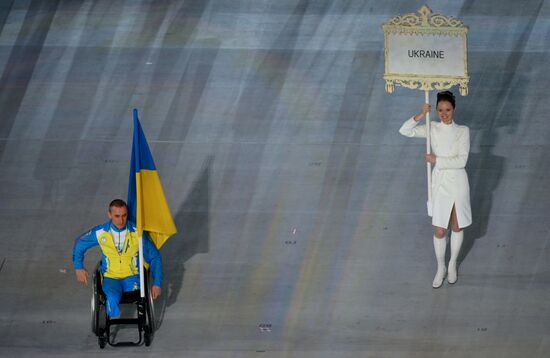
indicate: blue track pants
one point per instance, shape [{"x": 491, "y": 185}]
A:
[{"x": 114, "y": 288}]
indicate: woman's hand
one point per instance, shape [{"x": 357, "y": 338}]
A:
[
  {"x": 425, "y": 109},
  {"x": 430, "y": 158}
]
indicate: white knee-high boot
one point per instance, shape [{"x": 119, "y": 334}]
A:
[
  {"x": 439, "y": 246},
  {"x": 456, "y": 243}
]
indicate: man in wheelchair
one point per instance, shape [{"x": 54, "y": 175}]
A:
[{"x": 118, "y": 243}]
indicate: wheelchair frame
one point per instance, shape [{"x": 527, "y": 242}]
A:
[{"x": 145, "y": 320}]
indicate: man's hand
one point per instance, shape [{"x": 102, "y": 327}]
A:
[
  {"x": 82, "y": 275},
  {"x": 155, "y": 291}
]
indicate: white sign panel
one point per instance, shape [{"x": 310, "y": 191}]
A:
[
  {"x": 425, "y": 51},
  {"x": 426, "y": 55}
]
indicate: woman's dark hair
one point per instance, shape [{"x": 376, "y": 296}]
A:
[{"x": 447, "y": 96}]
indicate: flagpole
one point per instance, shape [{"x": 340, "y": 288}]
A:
[
  {"x": 141, "y": 277},
  {"x": 428, "y": 150}
]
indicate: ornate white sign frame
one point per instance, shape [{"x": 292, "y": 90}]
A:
[{"x": 425, "y": 23}]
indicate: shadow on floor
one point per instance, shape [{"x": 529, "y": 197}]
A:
[{"x": 193, "y": 237}]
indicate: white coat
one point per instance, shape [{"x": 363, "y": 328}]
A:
[{"x": 451, "y": 145}]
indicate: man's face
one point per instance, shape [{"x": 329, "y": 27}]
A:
[{"x": 119, "y": 216}]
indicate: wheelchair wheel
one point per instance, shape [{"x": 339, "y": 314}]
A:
[
  {"x": 102, "y": 341},
  {"x": 147, "y": 336},
  {"x": 95, "y": 304},
  {"x": 149, "y": 325},
  {"x": 150, "y": 306}
]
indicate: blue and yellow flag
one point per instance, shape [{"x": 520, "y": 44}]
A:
[{"x": 146, "y": 200}]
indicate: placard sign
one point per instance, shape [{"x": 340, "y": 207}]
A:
[{"x": 425, "y": 51}]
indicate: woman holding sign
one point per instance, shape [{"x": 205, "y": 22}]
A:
[{"x": 450, "y": 145}]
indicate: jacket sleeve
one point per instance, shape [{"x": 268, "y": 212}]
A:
[
  {"x": 458, "y": 161},
  {"x": 81, "y": 245},
  {"x": 411, "y": 129},
  {"x": 152, "y": 255}
]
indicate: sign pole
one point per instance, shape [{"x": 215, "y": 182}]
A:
[{"x": 428, "y": 150}]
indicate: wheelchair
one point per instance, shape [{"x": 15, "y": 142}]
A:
[{"x": 102, "y": 324}]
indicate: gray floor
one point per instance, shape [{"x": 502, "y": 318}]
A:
[{"x": 301, "y": 210}]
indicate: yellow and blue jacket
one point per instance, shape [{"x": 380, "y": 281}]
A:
[{"x": 115, "y": 264}]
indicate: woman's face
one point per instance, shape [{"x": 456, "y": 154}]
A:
[{"x": 445, "y": 111}]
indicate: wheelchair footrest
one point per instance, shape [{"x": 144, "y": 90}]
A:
[
  {"x": 130, "y": 321},
  {"x": 125, "y": 344},
  {"x": 115, "y": 321}
]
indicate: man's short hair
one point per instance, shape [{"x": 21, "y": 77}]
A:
[{"x": 119, "y": 203}]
